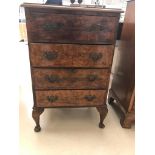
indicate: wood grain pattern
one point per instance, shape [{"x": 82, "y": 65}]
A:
[
  {"x": 70, "y": 28},
  {"x": 76, "y": 98},
  {"x": 71, "y": 55},
  {"x": 71, "y": 51},
  {"x": 70, "y": 78}
]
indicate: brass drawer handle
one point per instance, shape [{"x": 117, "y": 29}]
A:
[
  {"x": 49, "y": 55},
  {"x": 95, "y": 56},
  {"x": 92, "y": 77},
  {"x": 53, "y": 26},
  {"x": 90, "y": 97},
  {"x": 52, "y": 98},
  {"x": 52, "y": 78}
]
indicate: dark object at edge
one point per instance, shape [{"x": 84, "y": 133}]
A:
[
  {"x": 57, "y": 2},
  {"x": 72, "y": 1},
  {"x": 79, "y": 1}
]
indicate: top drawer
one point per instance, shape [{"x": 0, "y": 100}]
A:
[{"x": 71, "y": 28}]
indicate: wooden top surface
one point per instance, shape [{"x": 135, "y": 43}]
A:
[{"x": 62, "y": 7}]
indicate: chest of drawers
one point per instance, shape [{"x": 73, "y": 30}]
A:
[{"x": 71, "y": 52}]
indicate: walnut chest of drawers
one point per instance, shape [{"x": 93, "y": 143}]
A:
[{"x": 71, "y": 52}]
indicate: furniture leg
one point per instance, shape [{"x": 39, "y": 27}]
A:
[
  {"x": 103, "y": 112},
  {"x": 111, "y": 100},
  {"x": 127, "y": 120},
  {"x": 37, "y": 111}
]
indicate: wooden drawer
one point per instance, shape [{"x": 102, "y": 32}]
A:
[
  {"x": 70, "y": 78},
  {"x": 71, "y": 28},
  {"x": 63, "y": 98},
  {"x": 70, "y": 55}
]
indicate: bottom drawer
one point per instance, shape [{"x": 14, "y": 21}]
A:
[{"x": 58, "y": 98}]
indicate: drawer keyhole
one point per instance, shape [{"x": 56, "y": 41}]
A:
[
  {"x": 50, "y": 55},
  {"x": 90, "y": 97}
]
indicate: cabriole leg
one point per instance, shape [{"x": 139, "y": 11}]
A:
[
  {"x": 103, "y": 112},
  {"x": 37, "y": 111}
]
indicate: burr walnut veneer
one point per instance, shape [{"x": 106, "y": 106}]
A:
[{"x": 71, "y": 52}]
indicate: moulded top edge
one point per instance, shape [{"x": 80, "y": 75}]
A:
[{"x": 63, "y": 7}]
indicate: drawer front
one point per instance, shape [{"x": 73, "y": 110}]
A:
[
  {"x": 68, "y": 55},
  {"x": 56, "y": 98},
  {"x": 70, "y": 28},
  {"x": 70, "y": 78}
]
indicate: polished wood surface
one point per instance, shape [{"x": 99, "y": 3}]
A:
[
  {"x": 61, "y": 98},
  {"x": 60, "y": 8},
  {"x": 71, "y": 55},
  {"x": 71, "y": 52},
  {"x": 71, "y": 28},
  {"x": 70, "y": 78},
  {"x": 123, "y": 70}
]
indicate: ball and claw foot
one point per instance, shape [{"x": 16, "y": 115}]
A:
[
  {"x": 37, "y": 128},
  {"x": 101, "y": 125}
]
